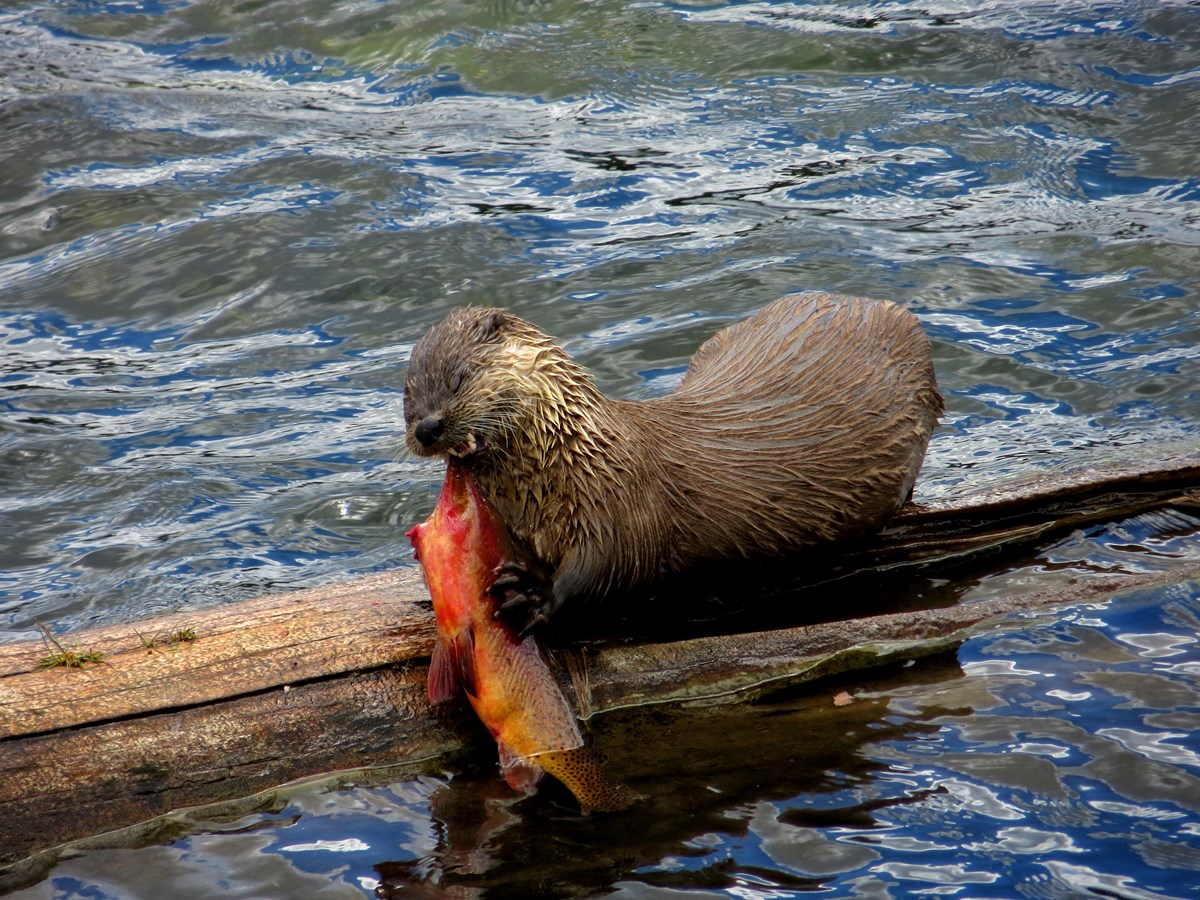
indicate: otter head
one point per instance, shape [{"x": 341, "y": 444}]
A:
[{"x": 467, "y": 389}]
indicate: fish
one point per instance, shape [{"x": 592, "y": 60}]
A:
[{"x": 505, "y": 677}]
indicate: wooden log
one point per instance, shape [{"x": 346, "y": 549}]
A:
[
  {"x": 288, "y": 686},
  {"x": 212, "y": 752},
  {"x": 239, "y": 650}
]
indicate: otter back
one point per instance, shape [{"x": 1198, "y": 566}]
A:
[{"x": 806, "y": 423}]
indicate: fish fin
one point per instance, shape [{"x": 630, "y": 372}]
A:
[
  {"x": 462, "y": 649},
  {"x": 579, "y": 769},
  {"x": 443, "y": 682},
  {"x": 452, "y": 666},
  {"x": 443, "y": 674},
  {"x": 416, "y": 534},
  {"x": 520, "y": 774}
]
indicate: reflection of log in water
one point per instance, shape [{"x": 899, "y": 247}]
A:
[{"x": 283, "y": 687}]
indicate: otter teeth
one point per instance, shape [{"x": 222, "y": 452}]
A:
[{"x": 468, "y": 447}]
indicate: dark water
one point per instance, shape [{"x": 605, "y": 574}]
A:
[
  {"x": 1054, "y": 758},
  {"x": 222, "y": 226}
]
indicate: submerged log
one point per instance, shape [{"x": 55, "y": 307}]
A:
[{"x": 208, "y": 706}]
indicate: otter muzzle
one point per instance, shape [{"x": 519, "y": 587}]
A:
[{"x": 428, "y": 430}]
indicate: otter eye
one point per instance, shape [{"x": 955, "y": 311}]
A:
[{"x": 456, "y": 380}]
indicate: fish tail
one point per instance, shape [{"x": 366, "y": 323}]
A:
[
  {"x": 580, "y": 770},
  {"x": 521, "y": 774}
]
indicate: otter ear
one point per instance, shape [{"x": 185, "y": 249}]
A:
[{"x": 492, "y": 324}]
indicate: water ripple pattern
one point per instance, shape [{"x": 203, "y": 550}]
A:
[
  {"x": 222, "y": 226},
  {"x": 1056, "y": 758}
]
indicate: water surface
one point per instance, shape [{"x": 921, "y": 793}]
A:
[
  {"x": 223, "y": 225},
  {"x": 1055, "y": 757}
]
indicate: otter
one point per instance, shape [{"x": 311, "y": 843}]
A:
[{"x": 804, "y": 425}]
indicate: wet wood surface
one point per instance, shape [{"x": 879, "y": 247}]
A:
[{"x": 287, "y": 686}]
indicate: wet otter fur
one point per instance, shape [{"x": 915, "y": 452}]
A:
[{"x": 804, "y": 424}]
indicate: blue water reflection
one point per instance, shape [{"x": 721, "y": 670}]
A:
[
  {"x": 1058, "y": 758},
  {"x": 295, "y": 206},
  {"x": 1065, "y": 760}
]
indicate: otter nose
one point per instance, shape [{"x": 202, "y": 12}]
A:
[{"x": 428, "y": 430}]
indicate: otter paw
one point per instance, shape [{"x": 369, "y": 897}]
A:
[
  {"x": 523, "y": 613},
  {"x": 525, "y": 600},
  {"x": 510, "y": 578}
]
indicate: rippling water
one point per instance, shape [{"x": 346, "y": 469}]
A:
[
  {"x": 222, "y": 226},
  {"x": 1057, "y": 758}
]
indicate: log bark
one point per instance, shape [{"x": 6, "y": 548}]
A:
[{"x": 288, "y": 686}]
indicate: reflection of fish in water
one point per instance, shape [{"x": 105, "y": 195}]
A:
[{"x": 505, "y": 677}]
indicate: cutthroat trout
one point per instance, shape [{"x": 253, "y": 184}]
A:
[{"x": 505, "y": 677}]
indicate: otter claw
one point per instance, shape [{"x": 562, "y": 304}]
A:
[
  {"x": 514, "y": 602},
  {"x": 507, "y": 576},
  {"x": 523, "y": 612},
  {"x": 503, "y": 583},
  {"x": 537, "y": 620},
  {"x": 520, "y": 595}
]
